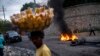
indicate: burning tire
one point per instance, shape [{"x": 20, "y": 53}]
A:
[{"x": 78, "y": 42}]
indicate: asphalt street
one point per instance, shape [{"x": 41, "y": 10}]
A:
[{"x": 59, "y": 48}]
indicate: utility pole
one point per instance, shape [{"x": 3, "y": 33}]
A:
[
  {"x": 3, "y": 11},
  {"x": 34, "y": 3}
]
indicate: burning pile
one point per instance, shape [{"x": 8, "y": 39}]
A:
[
  {"x": 74, "y": 39},
  {"x": 39, "y": 20},
  {"x": 66, "y": 37}
]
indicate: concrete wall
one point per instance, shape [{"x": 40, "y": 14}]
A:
[{"x": 79, "y": 17}]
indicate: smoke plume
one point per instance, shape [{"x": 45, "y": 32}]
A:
[{"x": 59, "y": 14}]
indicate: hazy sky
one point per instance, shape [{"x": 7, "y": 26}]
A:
[{"x": 14, "y": 6}]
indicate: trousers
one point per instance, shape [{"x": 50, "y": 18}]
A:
[{"x": 1, "y": 52}]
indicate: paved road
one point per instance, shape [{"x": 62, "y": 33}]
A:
[
  {"x": 59, "y": 48},
  {"x": 26, "y": 43},
  {"x": 64, "y": 48}
]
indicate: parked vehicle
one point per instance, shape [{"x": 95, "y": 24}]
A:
[{"x": 12, "y": 36}]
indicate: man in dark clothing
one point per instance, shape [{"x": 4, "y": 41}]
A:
[
  {"x": 41, "y": 48},
  {"x": 91, "y": 29}
]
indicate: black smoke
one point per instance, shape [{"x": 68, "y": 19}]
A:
[{"x": 59, "y": 14}]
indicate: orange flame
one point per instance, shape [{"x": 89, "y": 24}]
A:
[{"x": 65, "y": 37}]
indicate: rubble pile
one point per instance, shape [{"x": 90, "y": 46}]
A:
[{"x": 16, "y": 51}]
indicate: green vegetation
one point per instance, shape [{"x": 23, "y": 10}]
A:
[
  {"x": 31, "y": 5},
  {"x": 4, "y": 25},
  {"x": 68, "y": 3}
]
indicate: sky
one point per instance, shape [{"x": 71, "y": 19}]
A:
[{"x": 14, "y": 6}]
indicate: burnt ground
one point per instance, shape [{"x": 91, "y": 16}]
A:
[{"x": 59, "y": 48}]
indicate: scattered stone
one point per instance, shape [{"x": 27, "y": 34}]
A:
[{"x": 17, "y": 51}]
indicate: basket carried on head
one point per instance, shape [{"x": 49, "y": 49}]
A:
[{"x": 29, "y": 21}]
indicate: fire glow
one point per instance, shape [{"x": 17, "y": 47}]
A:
[{"x": 65, "y": 37}]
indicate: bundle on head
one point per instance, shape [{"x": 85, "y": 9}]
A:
[{"x": 37, "y": 21}]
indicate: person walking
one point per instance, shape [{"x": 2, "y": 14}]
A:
[
  {"x": 91, "y": 30},
  {"x": 2, "y": 43}
]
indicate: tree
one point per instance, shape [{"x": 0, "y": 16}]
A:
[
  {"x": 68, "y": 3},
  {"x": 31, "y": 5},
  {"x": 5, "y": 25}
]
